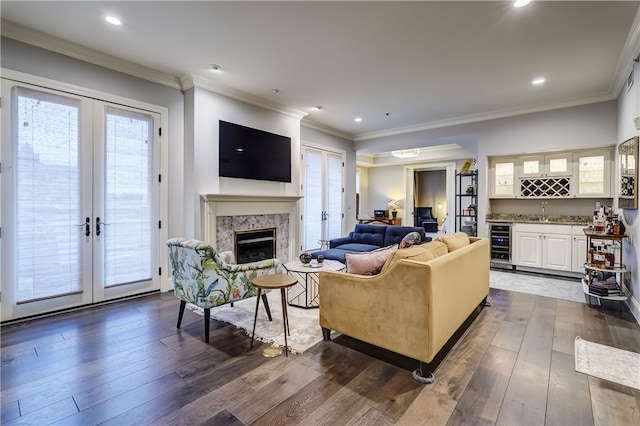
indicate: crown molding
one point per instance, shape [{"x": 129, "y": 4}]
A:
[
  {"x": 474, "y": 118},
  {"x": 45, "y": 41},
  {"x": 310, "y": 124},
  {"x": 193, "y": 80},
  {"x": 629, "y": 54}
]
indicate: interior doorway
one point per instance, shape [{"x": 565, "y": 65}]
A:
[{"x": 429, "y": 185}]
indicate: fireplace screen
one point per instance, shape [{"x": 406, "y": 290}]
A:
[{"x": 253, "y": 245}]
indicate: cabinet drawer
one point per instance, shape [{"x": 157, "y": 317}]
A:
[{"x": 543, "y": 229}]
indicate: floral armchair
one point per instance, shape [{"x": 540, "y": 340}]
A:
[{"x": 205, "y": 278}]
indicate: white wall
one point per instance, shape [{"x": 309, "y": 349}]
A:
[{"x": 628, "y": 109}]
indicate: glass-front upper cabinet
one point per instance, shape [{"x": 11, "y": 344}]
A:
[
  {"x": 545, "y": 165},
  {"x": 503, "y": 178},
  {"x": 592, "y": 175}
]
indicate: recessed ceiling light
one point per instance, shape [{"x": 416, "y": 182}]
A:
[
  {"x": 113, "y": 20},
  {"x": 275, "y": 91},
  {"x": 215, "y": 67},
  {"x": 521, "y": 3},
  {"x": 538, "y": 81},
  {"x": 357, "y": 119}
]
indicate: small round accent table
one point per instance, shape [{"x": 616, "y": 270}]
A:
[{"x": 274, "y": 282}]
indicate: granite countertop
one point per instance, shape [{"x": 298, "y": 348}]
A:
[{"x": 553, "y": 220}]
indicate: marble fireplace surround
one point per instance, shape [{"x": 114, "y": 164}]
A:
[{"x": 222, "y": 214}]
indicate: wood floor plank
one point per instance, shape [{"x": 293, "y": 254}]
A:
[
  {"x": 338, "y": 366},
  {"x": 613, "y": 404},
  {"x": 370, "y": 416},
  {"x": 567, "y": 327},
  {"x": 9, "y": 411},
  {"x": 115, "y": 406},
  {"x": 526, "y": 396},
  {"x": 206, "y": 407},
  {"x": 84, "y": 373},
  {"x": 569, "y": 398},
  {"x": 509, "y": 336},
  {"x": 481, "y": 401},
  {"x": 45, "y": 415},
  {"x": 254, "y": 404},
  {"x": 224, "y": 417},
  {"x": 437, "y": 401},
  {"x": 106, "y": 388},
  {"x": 149, "y": 411}
]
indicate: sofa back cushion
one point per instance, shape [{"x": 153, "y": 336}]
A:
[
  {"x": 395, "y": 234},
  {"x": 369, "y": 234},
  {"x": 368, "y": 263},
  {"x": 421, "y": 252},
  {"x": 455, "y": 241}
]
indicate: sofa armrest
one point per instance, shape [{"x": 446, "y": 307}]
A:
[{"x": 340, "y": 241}]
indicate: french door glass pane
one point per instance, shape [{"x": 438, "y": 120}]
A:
[
  {"x": 49, "y": 230},
  {"x": 128, "y": 197},
  {"x": 334, "y": 196},
  {"x": 312, "y": 199}
]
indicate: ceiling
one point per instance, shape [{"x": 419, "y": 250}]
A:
[{"x": 397, "y": 65}]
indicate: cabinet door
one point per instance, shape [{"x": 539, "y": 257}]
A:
[
  {"x": 556, "y": 252},
  {"x": 531, "y": 166},
  {"x": 557, "y": 165},
  {"x": 528, "y": 249},
  {"x": 544, "y": 165},
  {"x": 503, "y": 178},
  {"x": 592, "y": 175},
  {"x": 578, "y": 253}
]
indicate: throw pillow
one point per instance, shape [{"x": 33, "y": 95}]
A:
[
  {"x": 368, "y": 263},
  {"x": 410, "y": 239},
  {"x": 421, "y": 253},
  {"x": 455, "y": 241}
]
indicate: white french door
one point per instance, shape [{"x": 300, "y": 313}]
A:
[
  {"x": 82, "y": 185},
  {"x": 323, "y": 202}
]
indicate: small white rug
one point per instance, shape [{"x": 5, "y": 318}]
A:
[
  {"x": 303, "y": 323},
  {"x": 539, "y": 285},
  {"x": 607, "y": 363}
]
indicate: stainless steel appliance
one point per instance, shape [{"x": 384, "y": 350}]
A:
[{"x": 500, "y": 234}]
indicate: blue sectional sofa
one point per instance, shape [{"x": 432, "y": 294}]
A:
[{"x": 367, "y": 238}]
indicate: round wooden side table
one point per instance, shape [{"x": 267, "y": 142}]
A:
[{"x": 274, "y": 282}]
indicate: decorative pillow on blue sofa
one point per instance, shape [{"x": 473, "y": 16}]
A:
[
  {"x": 368, "y": 263},
  {"x": 410, "y": 239}
]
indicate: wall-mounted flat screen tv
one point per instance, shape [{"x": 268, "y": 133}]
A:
[{"x": 253, "y": 154}]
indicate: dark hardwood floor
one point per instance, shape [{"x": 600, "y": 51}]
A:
[{"x": 126, "y": 364}]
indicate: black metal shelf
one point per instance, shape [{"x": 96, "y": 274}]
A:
[{"x": 465, "y": 200}]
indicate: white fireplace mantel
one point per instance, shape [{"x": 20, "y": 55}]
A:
[{"x": 217, "y": 205}]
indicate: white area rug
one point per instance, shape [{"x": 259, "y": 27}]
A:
[
  {"x": 607, "y": 363},
  {"x": 303, "y": 323},
  {"x": 558, "y": 288}
]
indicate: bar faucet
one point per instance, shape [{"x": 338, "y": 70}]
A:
[{"x": 544, "y": 217}]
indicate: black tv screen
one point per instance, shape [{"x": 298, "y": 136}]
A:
[{"x": 253, "y": 154}]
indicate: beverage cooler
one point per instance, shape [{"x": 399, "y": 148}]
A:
[{"x": 500, "y": 235}]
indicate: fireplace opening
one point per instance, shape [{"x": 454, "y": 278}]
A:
[{"x": 253, "y": 245}]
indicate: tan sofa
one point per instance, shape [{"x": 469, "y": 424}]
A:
[{"x": 413, "y": 306}]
